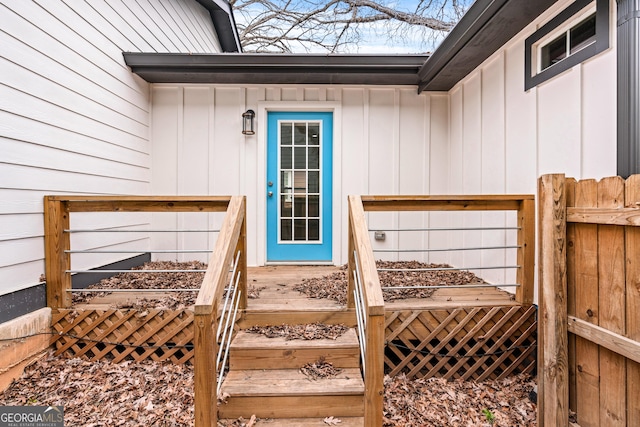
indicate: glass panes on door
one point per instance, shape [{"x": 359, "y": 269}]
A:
[{"x": 299, "y": 174}]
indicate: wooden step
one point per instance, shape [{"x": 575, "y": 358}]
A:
[
  {"x": 256, "y": 351},
  {"x": 305, "y": 422},
  {"x": 307, "y": 311},
  {"x": 288, "y": 393}
]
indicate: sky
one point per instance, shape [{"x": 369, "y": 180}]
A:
[{"x": 374, "y": 38}]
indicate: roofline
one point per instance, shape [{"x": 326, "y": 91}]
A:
[
  {"x": 224, "y": 23},
  {"x": 485, "y": 28},
  {"x": 256, "y": 68},
  {"x": 470, "y": 23},
  {"x": 487, "y": 25}
]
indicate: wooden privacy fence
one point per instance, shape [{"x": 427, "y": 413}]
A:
[{"x": 589, "y": 260}]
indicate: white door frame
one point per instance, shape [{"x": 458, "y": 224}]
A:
[{"x": 339, "y": 219}]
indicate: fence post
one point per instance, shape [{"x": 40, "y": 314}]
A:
[
  {"x": 553, "y": 375},
  {"x": 632, "y": 240},
  {"x": 57, "y": 261},
  {"x": 526, "y": 255}
]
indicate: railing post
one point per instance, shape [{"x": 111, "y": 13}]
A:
[
  {"x": 242, "y": 262},
  {"x": 351, "y": 247},
  {"x": 374, "y": 373},
  {"x": 553, "y": 372},
  {"x": 57, "y": 261},
  {"x": 205, "y": 400},
  {"x": 526, "y": 252},
  {"x": 375, "y": 313}
]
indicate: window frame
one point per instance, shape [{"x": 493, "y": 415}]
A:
[{"x": 561, "y": 23}]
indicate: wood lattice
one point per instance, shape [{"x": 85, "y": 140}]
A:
[
  {"x": 470, "y": 343},
  {"x": 159, "y": 335}
]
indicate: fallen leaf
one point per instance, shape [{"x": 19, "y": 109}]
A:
[{"x": 332, "y": 421}]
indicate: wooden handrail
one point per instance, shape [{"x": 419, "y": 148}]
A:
[
  {"x": 495, "y": 202},
  {"x": 360, "y": 244},
  {"x": 232, "y": 238},
  {"x": 216, "y": 275},
  {"x": 143, "y": 203}
]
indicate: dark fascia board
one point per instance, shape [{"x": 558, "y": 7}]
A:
[
  {"x": 224, "y": 23},
  {"x": 255, "y": 68},
  {"x": 487, "y": 25}
]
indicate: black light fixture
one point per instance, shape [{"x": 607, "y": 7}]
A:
[{"x": 247, "y": 122}]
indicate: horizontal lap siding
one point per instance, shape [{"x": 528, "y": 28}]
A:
[
  {"x": 75, "y": 120},
  {"x": 382, "y": 145}
]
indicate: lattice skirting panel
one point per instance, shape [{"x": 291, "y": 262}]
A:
[
  {"x": 159, "y": 335},
  {"x": 470, "y": 343}
]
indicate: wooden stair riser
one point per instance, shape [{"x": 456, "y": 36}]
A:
[
  {"x": 291, "y": 358},
  {"x": 292, "y": 407},
  {"x": 296, "y": 317},
  {"x": 288, "y": 393},
  {"x": 255, "y": 351}
]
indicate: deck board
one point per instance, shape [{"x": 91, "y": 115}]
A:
[{"x": 277, "y": 294}]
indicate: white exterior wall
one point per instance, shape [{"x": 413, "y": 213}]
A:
[
  {"x": 383, "y": 138},
  {"x": 74, "y": 119},
  {"x": 503, "y": 138}
]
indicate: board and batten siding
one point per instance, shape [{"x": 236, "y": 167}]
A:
[
  {"x": 485, "y": 136},
  {"x": 503, "y": 138},
  {"x": 75, "y": 120},
  {"x": 387, "y": 140}
]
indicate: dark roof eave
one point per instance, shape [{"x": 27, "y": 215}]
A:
[
  {"x": 224, "y": 24},
  {"x": 276, "y": 69},
  {"x": 487, "y": 25}
]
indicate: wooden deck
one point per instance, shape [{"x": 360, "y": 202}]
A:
[
  {"x": 276, "y": 294},
  {"x": 472, "y": 321},
  {"x": 279, "y": 281}
]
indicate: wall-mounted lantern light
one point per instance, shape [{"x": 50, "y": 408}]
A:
[{"x": 247, "y": 122}]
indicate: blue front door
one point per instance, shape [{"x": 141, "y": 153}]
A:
[{"x": 299, "y": 186}]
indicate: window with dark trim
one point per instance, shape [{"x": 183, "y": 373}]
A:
[{"x": 573, "y": 36}]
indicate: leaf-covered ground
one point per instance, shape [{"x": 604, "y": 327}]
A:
[
  {"x": 159, "y": 394},
  {"x": 108, "y": 394},
  {"x": 439, "y": 403}
]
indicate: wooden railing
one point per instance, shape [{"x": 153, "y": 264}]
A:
[
  {"x": 230, "y": 244},
  {"x": 57, "y": 210},
  {"x": 523, "y": 205},
  {"x": 589, "y": 360},
  {"x": 362, "y": 266},
  {"x": 231, "y": 241}
]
